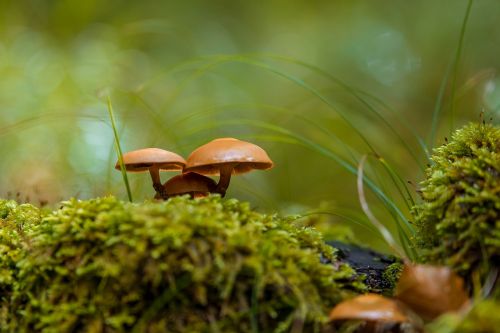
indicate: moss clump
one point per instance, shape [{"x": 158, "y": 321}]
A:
[
  {"x": 179, "y": 266},
  {"x": 458, "y": 221},
  {"x": 15, "y": 222},
  {"x": 391, "y": 277},
  {"x": 482, "y": 318}
]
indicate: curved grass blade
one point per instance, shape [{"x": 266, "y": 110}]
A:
[
  {"x": 157, "y": 119},
  {"x": 396, "y": 178},
  {"x": 30, "y": 122},
  {"x": 119, "y": 149},
  {"x": 342, "y": 216},
  {"x": 364, "y": 205},
  {"x": 438, "y": 108},
  {"x": 456, "y": 63}
]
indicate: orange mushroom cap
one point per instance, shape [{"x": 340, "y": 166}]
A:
[
  {"x": 431, "y": 290},
  {"x": 141, "y": 160},
  {"x": 245, "y": 156},
  {"x": 371, "y": 307},
  {"x": 191, "y": 183}
]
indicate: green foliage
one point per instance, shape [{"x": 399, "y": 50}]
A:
[
  {"x": 458, "y": 220},
  {"x": 15, "y": 221},
  {"x": 391, "y": 276},
  {"x": 483, "y": 318},
  {"x": 182, "y": 265}
]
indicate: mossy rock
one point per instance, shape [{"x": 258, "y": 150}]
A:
[
  {"x": 205, "y": 265},
  {"x": 458, "y": 220}
]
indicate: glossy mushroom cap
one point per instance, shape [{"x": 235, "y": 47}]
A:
[
  {"x": 245, "y": 157},
  {"x": 370, "y": 307},
  {"x": 189, "y": 183},
  {"x": 431, "y": 290},
  {"x": 141, "y": 160}
]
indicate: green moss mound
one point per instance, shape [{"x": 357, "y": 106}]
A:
[
  {"x": 16, "y": 221},
  {"x": 482, "y": 318},
  {"x": 458, "y": 221},
  {"x": 180, "y": 266}
]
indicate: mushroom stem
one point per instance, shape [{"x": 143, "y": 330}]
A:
[
  {"x": 225, "y": 177},
  {"x": 154, "y": 171}
]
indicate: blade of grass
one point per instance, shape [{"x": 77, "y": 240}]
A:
[
  {"x": 438, "y": 107},
  {"x": 402, "y": 234},
  {"x": 396, "y": 178},
  {"x": 38, "y": 120},
  {"x": 456, "y": 63},
  {"x": 345, "y": 217},
  {"x": 157, "y": 120},
  {"x": 119, "y": 149},
  {"x": 364, "y": 205}
]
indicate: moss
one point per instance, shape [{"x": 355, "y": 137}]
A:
[
  {"x": 179, "y": 266},
  {"x": 15, "y": 221},
  {"x": 391, "y": 276},
  {"x": 458, "y": 220},
  {"x": 482, "y": 318}
]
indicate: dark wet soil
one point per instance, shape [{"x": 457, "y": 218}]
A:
[{"x": 366, "y": 261}]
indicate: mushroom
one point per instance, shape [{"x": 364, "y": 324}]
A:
[
  {"x": 379, "y": 314},
  {"x": 431, "y": 290},
  {"x": 152, "y": 160},
  {"x": 226, "y": 156},
  {"x": 191, "y": 183}
]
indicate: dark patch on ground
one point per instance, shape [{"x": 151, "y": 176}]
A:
[{"x": 365, "y": 261}]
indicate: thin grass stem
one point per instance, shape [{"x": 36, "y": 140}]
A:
[
  {"x": 119, "y": 150},
  {"x": 456, "y": 63},
  {"x": 364, "y": 205}
]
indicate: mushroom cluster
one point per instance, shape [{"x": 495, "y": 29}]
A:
[{"x": 220, "y": 157}]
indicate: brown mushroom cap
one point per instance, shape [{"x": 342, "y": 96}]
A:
[
  {"x": 245, "y": 156},
  {"x": 431, "y": 290},
  {"x": 141, "y": 160},
  {"x": 371, "y": 307},
  {"x": 189, "y": 183}
]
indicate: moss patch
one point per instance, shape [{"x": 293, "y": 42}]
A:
[
  {"x": 16, "y": 221},
  {"x": 458, "y": 221},
  {"x": 180, "y": 266},
  {"x": 483, "y": 318},
  {"x": 391, "y": 277}
]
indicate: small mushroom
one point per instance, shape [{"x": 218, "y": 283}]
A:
[
  {"x": 431, "y": 290},
  {"x": 152, "y": 160},
  {"x": 378, "y": 313},
  {"x": 227, "y": 156},
  {"x": 191, "y": 183}
]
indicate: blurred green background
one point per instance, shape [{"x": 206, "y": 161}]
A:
[{"x": 313, "y": 82}]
